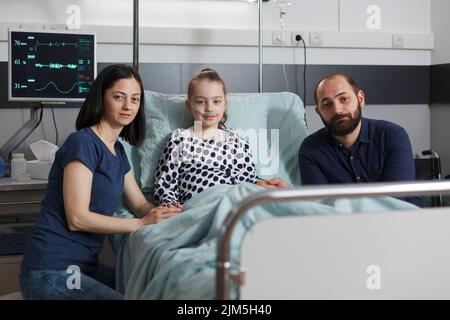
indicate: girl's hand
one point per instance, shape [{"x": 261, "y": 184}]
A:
[{"x": 264, "y": 183}]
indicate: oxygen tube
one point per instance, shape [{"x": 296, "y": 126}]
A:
[{"x": 206, "y": 113}]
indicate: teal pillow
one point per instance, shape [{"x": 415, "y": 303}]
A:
[
  {"x": 273, "y": 123},
  {"x": 164, "y": 113}
]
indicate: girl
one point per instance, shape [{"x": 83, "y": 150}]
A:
[
  {"x": 206, "y": 154},
  {"x": 86, "y": 183}
]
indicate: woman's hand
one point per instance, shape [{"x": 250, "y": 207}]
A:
[
  {"x": 161, "y": 213},
  {"x": 272, "y": 183},
  {"x": 277, "y": 183}
]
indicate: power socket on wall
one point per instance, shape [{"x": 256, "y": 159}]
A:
[
  {"x": 279, "y": 38},
  {"x": 398, "y": 40},
  {"x": 315, "y": 39},
  {"x": 295, "y": 41}
]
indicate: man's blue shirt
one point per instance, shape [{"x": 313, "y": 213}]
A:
[{"x": 382, "y": 153}]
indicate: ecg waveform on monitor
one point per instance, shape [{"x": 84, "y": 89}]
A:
[
  {"x": 54, "y": 44},
  {"x": 56, "y": 87},
  {"x": 55, "y": 66}
]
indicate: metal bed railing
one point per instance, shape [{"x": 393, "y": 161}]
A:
[{"x": 223, "y": 268}]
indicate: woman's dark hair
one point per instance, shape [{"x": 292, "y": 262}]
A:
[
  {"x": 91, "y": 111},
  {"x": 210, "y": 75}
]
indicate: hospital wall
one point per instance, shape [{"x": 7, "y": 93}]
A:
[
  {"x": 440, "y": 77},
  {"x": 397, "y": 80}
]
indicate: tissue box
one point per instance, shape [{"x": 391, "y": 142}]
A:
[{"x": 39, "y": 169}]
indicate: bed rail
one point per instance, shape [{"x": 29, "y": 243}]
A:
[{"x": 396, "y": 189}]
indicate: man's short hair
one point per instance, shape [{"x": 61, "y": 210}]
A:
[{"x": 347, "y": 78}]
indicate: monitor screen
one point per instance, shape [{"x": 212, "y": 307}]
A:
[{"x": 50, "y": 65}]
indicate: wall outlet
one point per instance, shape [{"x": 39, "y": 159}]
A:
[
  {"x": 279, "y": 38},
  {"x": 294, "y": 40},
  {"x": 315, "y": 39},
  {"x": 398, "y": 40}
]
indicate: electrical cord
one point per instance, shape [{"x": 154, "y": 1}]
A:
[
  {"x": 299, "y": 39},
  {"x": 37, "y": 125},
  {"x": 56, "y": 127}
]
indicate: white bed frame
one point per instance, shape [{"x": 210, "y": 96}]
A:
[{"x": 393, "y": 255}]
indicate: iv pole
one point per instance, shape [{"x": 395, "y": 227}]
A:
[
  {"x": 136, "y": 35},
  {"x": 260, "y": 46}
]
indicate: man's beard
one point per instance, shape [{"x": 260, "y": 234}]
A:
[{"x": 344, "y": 128}]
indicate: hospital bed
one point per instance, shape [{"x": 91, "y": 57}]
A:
[
  {"x": 328, "y": 250},
  {"x": 392, "y": 255}
]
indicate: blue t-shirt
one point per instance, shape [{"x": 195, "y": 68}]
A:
[
  {"x": 52, "y": 245},
  {"x": 382, "y": 153}
]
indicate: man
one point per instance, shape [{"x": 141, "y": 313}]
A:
[{"x": 352, "y": 149}]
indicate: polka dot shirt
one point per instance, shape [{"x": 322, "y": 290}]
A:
[{"x": 189, "y": 165}]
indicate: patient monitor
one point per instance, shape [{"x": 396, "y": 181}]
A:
[{"x": 50, "y": 65}]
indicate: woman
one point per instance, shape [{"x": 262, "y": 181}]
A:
[{"x": 88, "y": 178}]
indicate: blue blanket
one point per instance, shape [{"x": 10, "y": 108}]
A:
[{"x": 175, "y": 259}]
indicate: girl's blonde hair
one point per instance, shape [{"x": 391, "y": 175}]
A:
[{"x": 210, "y": 75}]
